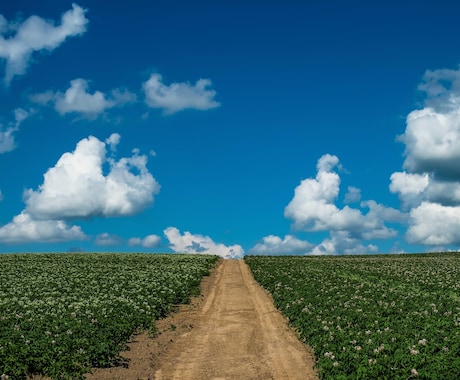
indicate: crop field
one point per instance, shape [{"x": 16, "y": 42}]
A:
[
  {"x": 61, "y": 314},
  {"x": 371, "y": 317}
]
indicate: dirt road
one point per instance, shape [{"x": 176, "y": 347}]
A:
[{"x": 236, "y": 333}]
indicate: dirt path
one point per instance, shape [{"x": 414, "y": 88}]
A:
[{"x": 235, "y": 333}]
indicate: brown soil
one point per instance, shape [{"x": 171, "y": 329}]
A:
[{"x": 232, "y": 331}]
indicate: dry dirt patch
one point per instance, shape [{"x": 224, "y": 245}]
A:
[{"x": 232, "y": 331}]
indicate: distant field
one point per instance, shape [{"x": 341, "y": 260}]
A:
[
  {"x": 371, "y": 317},
  {"x": 61, "y": 314}
]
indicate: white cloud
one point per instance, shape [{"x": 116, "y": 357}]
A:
[
  {"x": 353, "y": 195},
  {"x": 149, "y": 241},
  {"x": 410, "y": 187},
  {"x": 432, "y": 134},
  {"x": 179, "y": 96},
  {"x": 341, "y": 242},
  {"x": 313, "y": 207},
  {"x": 274, "y": 245},
  {"x": 24, "y": 229},
  {"x": 36, "y": 34},
  {"x": 1, "y": 196},
  {"x": 199, "y": 244},
  {"x": 434, "y": 224},
  {"x": 441, "y": 87},
  {"x": 76, "y": 186},
  {"x": 20, "y": 115},
  {"x": 430, "y": 186},
  {"x": 77, "y": 99},
  {"x": 105, "y": 239},
  {"x": 113, "y": 141},
  {"x": 433, "y": 143},
  {"x": 7, "y": 143}
]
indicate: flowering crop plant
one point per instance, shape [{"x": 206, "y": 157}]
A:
[
  {"x": 371, "y": 317},
  {"x": 62, "y": 314}
]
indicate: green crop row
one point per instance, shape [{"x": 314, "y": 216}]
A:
[
  {"x": 371, "y": 317},
  {"x": 62, "y": 314}
]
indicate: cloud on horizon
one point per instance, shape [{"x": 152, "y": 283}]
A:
[
  {"x": 24, "y": 229},
  {"x": 274, "y": 245},
  {"x": 18, "y": 41},
  {"x": 148, "y": 241},
  {"x": 313, "y": 207},
  {"x": 179, "y": 96},
  {"x": 76, "y": 188},
  {"x": 199, "y": 244},
  {"x": 430, "y": 185}
]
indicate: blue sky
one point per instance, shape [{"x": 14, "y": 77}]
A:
[{"x": 231, "y": 127}]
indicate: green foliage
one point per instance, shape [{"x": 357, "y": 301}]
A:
[
  {"x": 371, "y": 317},
  {"x": 61, "y": 314}
]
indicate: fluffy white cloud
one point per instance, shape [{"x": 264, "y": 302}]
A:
[
  {"x": 430, "y": 186},
  {"x": 179, "y": 96},
  {"x": 77, "y": 99},
  {"x": 274, "y": 245},
  {"x": 434, "y": 224},
  {"x": 432, "y": 134},
  {"x": 19, "y": 41},
  {"x": 76, "y": 186},
  {"x": 113, "y": 141},
  {"x": 313, "y": 207},
  {"x": 341, "y": 242},
  {"x": 147, "y": 242},
  {"x": 199, "y": 244},
  {"x": 107, "y": 240},
  {"x": 24, "y": 229},
  {"x": 432, "y": 141}
]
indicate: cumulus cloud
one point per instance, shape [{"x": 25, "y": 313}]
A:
[
  {"x": 24, "y": 229},
  {"x": 430, "y": 184},
  {"x": 409, "y": 187},
  {"x": 113, "y": 141},
  {"x": 274, "y": 245},
  {"x": 77, "y": 99},
  {"x": 340, "y": 242},
  {"x": 199, "y": 244},
  {"x": 434, "y": 224},
  {"x": 107, "y": 240},
  {"x": 149, "y": 241},
  {"x": 76, "y": 186},
  {"x": 179, "y": 96},
  {"x": 432, "y": 135},
  {"x": 313, "y": 207},
  {"x": 18, "y": 41}
]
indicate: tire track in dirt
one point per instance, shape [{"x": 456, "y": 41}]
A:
[{"x": 238, "y": 335}]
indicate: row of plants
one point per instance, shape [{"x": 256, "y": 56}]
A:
[
  {"x": 62, "y": 314},
  {"x": 371, "y": 317}
]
